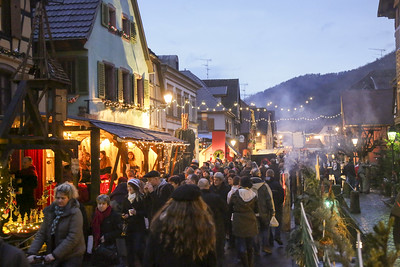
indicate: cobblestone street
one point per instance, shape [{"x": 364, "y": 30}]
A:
[{"x": 374, "y": 208}]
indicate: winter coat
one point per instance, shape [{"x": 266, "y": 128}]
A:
[
  {"x": 264, "y": 201},
  {"x": 277, "y": 193},
  {"x": 219, "y": 210},
  {"x": 155, "y": 200},
  {"x": 118, "y": 196},
  {"x": 243, "y": 205},
  {"x": 135, "y": 222},
  {"x": 11, "y": 256},
  {"x": 349, "y": 170},
  {"x": 222, "y": 190},
  {"x": 110, "y": 228},
  {"x": 68, "y": 237},
  {"x": 156, "y": 255},
  {"x": 26, "y": 181}
]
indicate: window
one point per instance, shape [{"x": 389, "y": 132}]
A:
[
  {"x": 179, "y": 103},
  {"x": 70, "y": 69},
  {"x": 140, "y": 92},
  {"x": 109, "y": 80},
  {"x": 210, "y": 124},
  {"x": 186, "y": 103},
  {"x": 112, "y": 17},
  {"x": 194, "y": 110},
  {"x": 5, "y": 91},
  {"x": 126, "y": 27},
  {"x": 127, "y": 93},
  {"x": 77, "y": 71}
]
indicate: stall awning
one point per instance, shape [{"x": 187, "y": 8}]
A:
[
  {"x": 126, "y": 133},
  {"x": 133, "y": 133}
]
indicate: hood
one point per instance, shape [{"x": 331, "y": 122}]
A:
[
  {"x": 246, "y": 194},
  {"x": 257, "y": 186}
]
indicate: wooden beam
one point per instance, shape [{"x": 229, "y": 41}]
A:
[
  {"x": 95, "y": 163},
  {"x": 173, "y": 163},
  {"x": 114, "y": 172}
]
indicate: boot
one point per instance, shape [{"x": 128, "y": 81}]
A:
[
  {"x": 250, "y": 258},
  {"x": 244, "y": 259}
]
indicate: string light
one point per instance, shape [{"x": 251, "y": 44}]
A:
[
  {"x": 293, "y": 108},
  {"x": 296, "y": 119}
]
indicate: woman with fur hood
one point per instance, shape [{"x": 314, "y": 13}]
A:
[{"x": 243, "y": 205}]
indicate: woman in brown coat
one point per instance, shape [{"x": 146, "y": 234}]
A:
[{"x": 61, "y": 230}]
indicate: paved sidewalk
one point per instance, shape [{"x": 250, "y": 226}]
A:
[
  {"x": 373, "y": 209},
  {"x": 277, "y": 258}
]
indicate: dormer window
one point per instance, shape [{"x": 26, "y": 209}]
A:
[
  {"x": 126, "y": 27},
  {"x": 112, "y": 22},
  {"x": 108, "y": 17}
]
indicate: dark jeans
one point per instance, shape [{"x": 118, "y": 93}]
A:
[
  {"x": 134, "y": 246},
  {"x": 244, "y": 244},
  {"x": 262, "y": 238}
]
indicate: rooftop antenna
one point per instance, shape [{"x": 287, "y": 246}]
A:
[
  {"x": 378, "y": 49},
  {"x": 243, "y": 85},
  {"x": 207, "y": 65}
]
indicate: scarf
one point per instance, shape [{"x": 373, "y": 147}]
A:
[
  {"x": 59, "y": 211},
  {"x": 131, "y": 197},
  {"x": 96, "y": 223}
]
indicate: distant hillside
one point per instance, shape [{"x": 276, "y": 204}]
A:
[{"x": 325, "y": 90}]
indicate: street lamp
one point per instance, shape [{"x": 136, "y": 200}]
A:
[
  {"x": 355, "y": 141},
  {"x": 392, "y": 138},
  {"x": 233, "y": 142},
  {"x": 168, "y": 98}
]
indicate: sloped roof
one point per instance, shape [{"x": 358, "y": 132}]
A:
[
  {"x": 71, "y": 19},
  {"x": 219, "y": 90},
  {"x": 386, "y": 9},
  {"x": 376, "y": 79},
  {"x": 367, "y": 107},
  {"x": 204, "y": 95},
  {"x": 233, "y": 93},
  {"x": 170, "y": 60}
]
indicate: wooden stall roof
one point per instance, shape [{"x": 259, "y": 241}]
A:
[{"x": 128, "y": 133}]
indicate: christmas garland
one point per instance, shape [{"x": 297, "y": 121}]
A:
[{"x": 14, "y": 53}]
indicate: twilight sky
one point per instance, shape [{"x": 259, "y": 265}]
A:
[{"x": 266, "y": 42}]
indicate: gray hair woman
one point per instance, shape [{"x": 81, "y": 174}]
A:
[{"x": 61, "y": 230}]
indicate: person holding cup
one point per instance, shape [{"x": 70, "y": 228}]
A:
[{"x": 133, "y": 212}]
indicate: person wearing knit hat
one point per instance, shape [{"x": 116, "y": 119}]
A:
[
  {"x": 244, "y": 224},
  {"x": 171, "y": 242},
  {"x": 133, "y": 212},
  {"x": 186, "y": 192}
]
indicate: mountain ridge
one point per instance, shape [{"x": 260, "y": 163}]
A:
[{"x": 324, "y": 89}]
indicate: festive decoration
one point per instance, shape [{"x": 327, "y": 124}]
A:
[
  {"x": 376, "y": 246},
  {"x": 15, "y": 53},
  {"x": 297, "y": 119},
  {"x": 329, "y": 229},
  {"x": 309, "y": 99},
  {"x": 122, "y": 33}
]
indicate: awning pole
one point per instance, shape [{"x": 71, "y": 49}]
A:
[
  {"x": 114, "y": 172},
  {"x": 173, "y": 163}
]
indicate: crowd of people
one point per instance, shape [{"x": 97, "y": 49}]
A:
[{"x": 188, "y": 219}]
